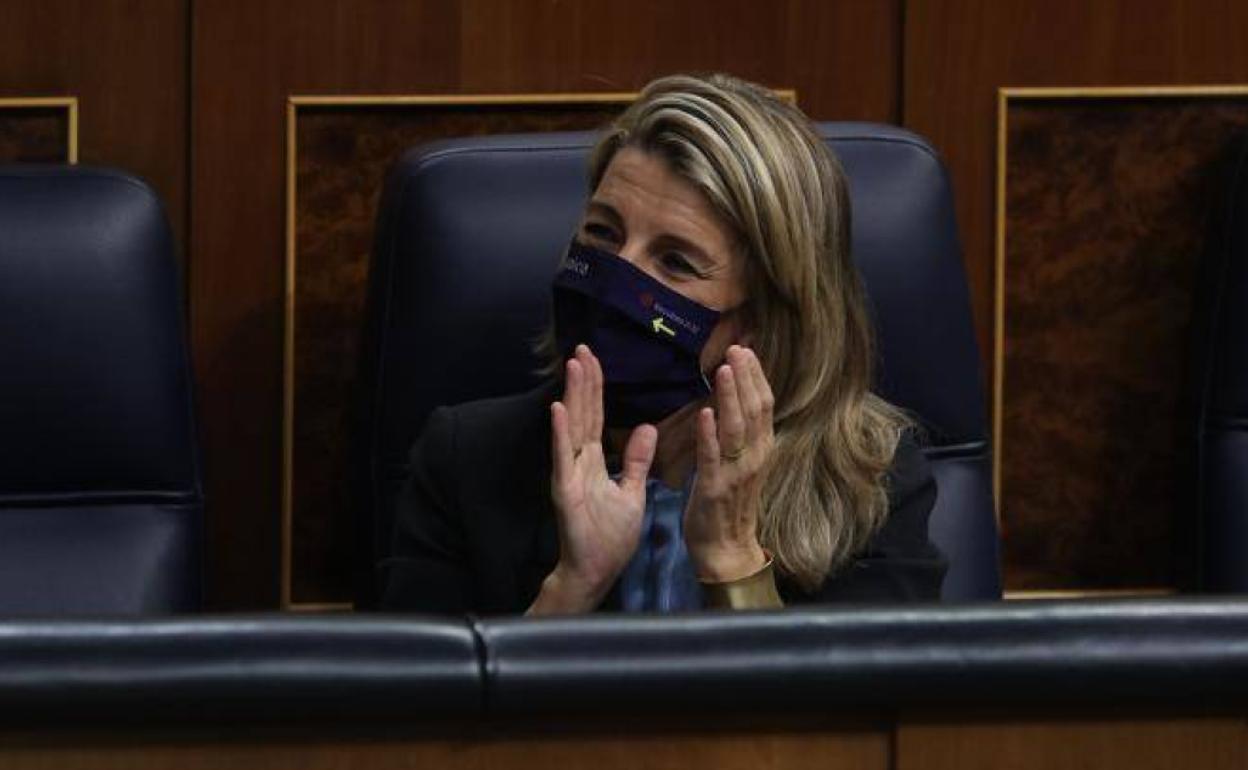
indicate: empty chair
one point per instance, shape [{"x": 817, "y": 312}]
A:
[{"x": 101, "y": 504}]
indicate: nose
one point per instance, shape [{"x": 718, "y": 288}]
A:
[
  {"x": 639, "y": 251},
  {"x": 632, "y": 251},
  {"x": 636, "y": 253}
]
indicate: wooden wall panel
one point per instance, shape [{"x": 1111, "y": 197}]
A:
[
  {"x": 841, "y": 58},
  {"x": 249, "y": 58},
  {"x": 958, "y": 53},
  {"x": 1107, "y": 210},
  {"x": 560, "y": 743},
  {"x": 126, "y": 62},
  {"x": 31, "y": 133},
  {"x": 1077, "y": 741}
]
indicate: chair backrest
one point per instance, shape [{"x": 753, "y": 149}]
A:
[
  {"x": 100, "y": 495},
  {"x": 470, "y": 233},
  {"x": 1220, "y": 377}
]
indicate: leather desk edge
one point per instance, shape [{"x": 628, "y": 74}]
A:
[{"x": 1176, "y": 652}]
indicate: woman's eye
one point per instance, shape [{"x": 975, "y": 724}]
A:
[
  {"x": 676, "y": 263},
  {"x": 599, "y": 232}
]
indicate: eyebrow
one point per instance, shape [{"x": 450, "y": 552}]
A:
[
  {"x": 678, "y": 242},
  {"x": 607, "y": 210}
]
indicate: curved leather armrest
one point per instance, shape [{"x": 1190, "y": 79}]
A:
[
  {"x": 1174, "y": 652},
  {"x": 245, "y": 667}
]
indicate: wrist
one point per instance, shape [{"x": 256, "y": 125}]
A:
[
  {"x": 564, "y": 592},
  {"x": 726, "y": 564},
  {"x": 754, "y": 592}
]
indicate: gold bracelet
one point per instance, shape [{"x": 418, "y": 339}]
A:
[{"x": 753, "y": 592}]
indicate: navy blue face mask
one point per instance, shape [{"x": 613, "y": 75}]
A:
[{"x": 647, "y": 337}]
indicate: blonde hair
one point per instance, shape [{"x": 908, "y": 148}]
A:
[{"x": 762, "y": 166}]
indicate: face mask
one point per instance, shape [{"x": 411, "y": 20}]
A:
[{"x": 647, "y": 337}]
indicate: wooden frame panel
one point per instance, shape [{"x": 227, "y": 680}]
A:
[
  {"x": 1134, "y": 104},
  {"x": 67, "y": 103}
]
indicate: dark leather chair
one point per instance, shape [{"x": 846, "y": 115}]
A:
[
  {"x": 1221, "y": 385},
  {"x": 100, "y": 497},
  {"x": 470, "y": 233}
]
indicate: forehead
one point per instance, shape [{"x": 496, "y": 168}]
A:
[{"x": 654, "y": 201}]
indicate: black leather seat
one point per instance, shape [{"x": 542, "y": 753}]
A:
[
  {"x": 1221, "y": 385},
  {"x": 470, "y": 232},
  {"x": 100, "y": 494}
]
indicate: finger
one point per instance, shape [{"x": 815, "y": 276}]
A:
[
  {"x": 596, "y": 416},
  {"x": 572, "y": 401},
  {"x": 582, "y": 358},
  {"x": 767, "y": 400},
  {"x": 731, "y": 420},
  {"x": 740, "y": 360},
  {"x": 560, "y": 442},
  {"x": 638, "y": 456},
  {"x": 708, "y": 445}
]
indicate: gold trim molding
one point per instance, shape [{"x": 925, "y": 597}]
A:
[
  {"x": 68, "y": 103},
  {"x": 1004, "y": 97},
  {"x": 1089, "y": 594}
]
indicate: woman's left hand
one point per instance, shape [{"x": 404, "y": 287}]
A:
[{"x": 735, "y": 442}]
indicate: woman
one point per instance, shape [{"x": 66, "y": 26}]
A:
[{"x": 709, "y": 438}]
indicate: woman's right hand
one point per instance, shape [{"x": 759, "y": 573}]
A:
[{"x": 599, "y": 519}]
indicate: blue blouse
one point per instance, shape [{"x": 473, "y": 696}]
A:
[{"x": 660, "y": 577}]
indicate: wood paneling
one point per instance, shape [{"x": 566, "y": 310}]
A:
[
  {"x": 958, "y": 742},
  {"x": 861, "y": 750},
  {"x": 34, "y": 134},
  {"x": 959, "y": 52},
  {"x": 841, "y": 58},
  {"x": 1092, "y": 743},
  {"x": 1102, "y": 248},
  {"x": 125, "y": 60},
  {"x": 249, "y": 57}
]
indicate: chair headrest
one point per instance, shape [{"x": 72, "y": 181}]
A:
[{"x": 95, "y": 382}]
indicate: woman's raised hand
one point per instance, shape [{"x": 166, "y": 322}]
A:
[
  {"x": 599, "y": 519},
  {"x": 735, "y": 442}
]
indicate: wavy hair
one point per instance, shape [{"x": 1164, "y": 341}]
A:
[{"x": 762, "y": 166}]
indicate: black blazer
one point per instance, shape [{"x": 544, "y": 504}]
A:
[{"x": 475, "y": 528}]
